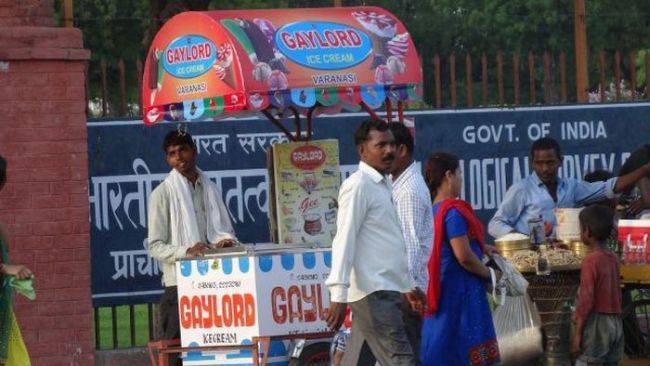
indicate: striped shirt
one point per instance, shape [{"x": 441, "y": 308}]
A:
[{"x": 413, "y": 202}]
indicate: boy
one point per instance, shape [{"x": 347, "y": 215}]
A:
[
  {"x": 598, "y": 337},
  {"x": 602, "y": 176}
]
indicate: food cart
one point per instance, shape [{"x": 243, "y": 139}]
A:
[
  {"x": 554, "y": 294},
  {"x": 288, "y": 65},
  {"x": 554, "y": 291},
  {"x": 250, "y": 296}
]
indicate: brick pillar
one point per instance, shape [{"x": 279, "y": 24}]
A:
[{"x": 44, "y": 205}]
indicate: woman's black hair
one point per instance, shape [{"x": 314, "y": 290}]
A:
[{"x": 437, "y": 165}]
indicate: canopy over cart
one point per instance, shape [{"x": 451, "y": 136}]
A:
[{"x": 281, "y": 62}]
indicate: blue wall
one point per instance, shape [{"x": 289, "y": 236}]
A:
[{"x": 126, "y": 162}]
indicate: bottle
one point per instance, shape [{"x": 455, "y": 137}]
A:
[
  {"x": 628, "y": 252},
  {"x": 543, "y": 265},
  {"x": 536, "y": 231}
]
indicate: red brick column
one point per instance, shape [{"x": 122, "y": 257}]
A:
[{"x": 44, "y": 205}]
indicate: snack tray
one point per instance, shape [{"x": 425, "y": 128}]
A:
[{"x": 556, "y": 268}]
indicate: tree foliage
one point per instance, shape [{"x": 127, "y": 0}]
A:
[
  {"x": 112, "y": 29},
  {"x": 123, "y": 29}
]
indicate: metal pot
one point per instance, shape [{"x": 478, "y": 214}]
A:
[
  {"x": 578, "y": 248},
  {"x": 508, "y": 248},
  {"x": 510, "y": 245}
]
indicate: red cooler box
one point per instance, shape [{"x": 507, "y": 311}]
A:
[{"x": 634, "y": 237}]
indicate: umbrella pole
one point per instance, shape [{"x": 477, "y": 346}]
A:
[
  {"x": 389, "y": 111},
  {"x": 296, "y": 122},
  {"x": 279, "y": 125},
  {"x": 310, "y": 114},
  {"x": 372, "y": 113}
]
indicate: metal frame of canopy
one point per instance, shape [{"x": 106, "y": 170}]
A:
[{"x": 282, "y": 63}]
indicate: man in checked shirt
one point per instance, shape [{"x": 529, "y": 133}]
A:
[{"x": 413, "y": 202}]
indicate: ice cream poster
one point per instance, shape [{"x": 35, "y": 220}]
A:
[
  {"x": 210, "y": 64},
  {"x": 306, "y": 182}
]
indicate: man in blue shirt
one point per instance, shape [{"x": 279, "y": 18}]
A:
[{"x": 538, "y": 194}]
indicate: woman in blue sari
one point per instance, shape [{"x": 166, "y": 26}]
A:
[{"x": 457, "y": 327}]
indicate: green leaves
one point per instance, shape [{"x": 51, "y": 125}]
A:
[{"x": 123, "y": 29}]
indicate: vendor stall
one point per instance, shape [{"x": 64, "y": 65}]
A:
[
  {"x": 552, "y": 289},
  {"x": 554, "y": 294},
  {"x": 283, "y": 64}
]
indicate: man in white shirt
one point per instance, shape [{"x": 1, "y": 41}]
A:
[
  {"x": 369, "y": 261},
  {"x": 187, "y": 216},
  {"x": 413, "y": 201}
]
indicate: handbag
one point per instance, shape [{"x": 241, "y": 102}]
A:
[{"x": 24, "y": 287}]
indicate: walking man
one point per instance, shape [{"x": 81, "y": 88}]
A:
[
  {"x": 413, "y": 201},
  {"x": 369, "y": 261}
]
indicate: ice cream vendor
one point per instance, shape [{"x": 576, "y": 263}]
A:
[{"x": 187, "y": 216}]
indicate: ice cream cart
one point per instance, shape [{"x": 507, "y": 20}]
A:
[
  {"x": 288, "y": 65},
  {"x": 251, "y": 296}
]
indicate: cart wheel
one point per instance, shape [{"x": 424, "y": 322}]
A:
[
  {"x": 636, "y": 328},
  {"x": 316, "y": 354}
]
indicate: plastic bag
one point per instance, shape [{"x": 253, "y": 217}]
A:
[
  {"x": 512, "y": 281},
  {"x": 518, "y": 328},
  {"x": 24, "y": 287},
  {"x": 493, "y": 288}
]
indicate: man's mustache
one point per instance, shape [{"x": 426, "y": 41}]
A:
[{"x": 389, "y": 157}]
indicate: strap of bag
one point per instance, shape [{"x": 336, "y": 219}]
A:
[{"x": 499, "y": 300}]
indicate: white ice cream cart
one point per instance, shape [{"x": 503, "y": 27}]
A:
[
  {"x": 251, "y": 300},
  {"x": 282, "y": 64}
]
